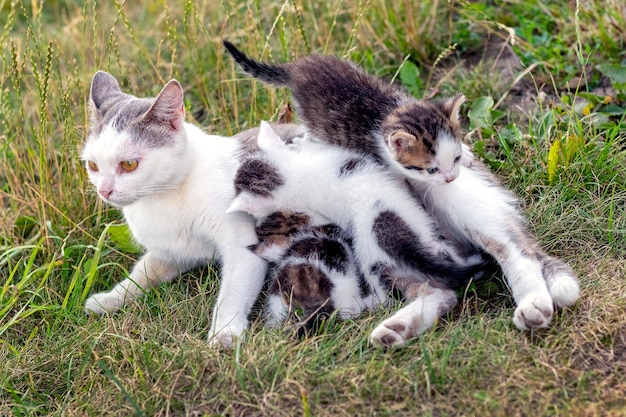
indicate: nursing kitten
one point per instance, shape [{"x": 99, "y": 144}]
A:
[
  {"x": 174, "y": 184},
  {"x": 341, "y": 104},
  {"x": 312, "y": 267},
  {"x": 394, "y": 239}
]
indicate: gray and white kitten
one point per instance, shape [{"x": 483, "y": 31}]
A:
[
  {"x": 341, "y": 104},
  {"x": 173, "y": 183}
]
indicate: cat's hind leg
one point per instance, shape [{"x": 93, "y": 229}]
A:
[
  {"x": 147, "y": 273},
  {"x": 416, "y": 317}
]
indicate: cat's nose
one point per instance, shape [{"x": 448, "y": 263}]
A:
[
  {"x": 450, "y": 178},
  {"x": 105, "y": 192}
]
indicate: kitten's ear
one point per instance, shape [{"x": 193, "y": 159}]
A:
[
  {"x": 103, "y": 86},
  {"x": 268, "y": 138},
  {"x": 168, "y": 108},
  {"x": 255, "y": 205},
  {"x": 452, "y": 106},
  {"x": 400, "y": 141}
]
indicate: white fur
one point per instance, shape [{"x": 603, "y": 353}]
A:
[
  {"x": 414, "y": 318},
  {"x": 175, "y": 204}
]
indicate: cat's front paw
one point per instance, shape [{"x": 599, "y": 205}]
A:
[
  {"x": 391, "y": 333},
  {"x": 103, "y": 302},
  {"x": 226, "y": 337},
  {"x": 533, "y": 312}
]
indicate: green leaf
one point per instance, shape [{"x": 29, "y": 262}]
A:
[
  {"x": 24, "y": 226},
  {"x": 480, "y": 113},
  {"x": 553, "y": 160},
  {"x": 121, "y": 236},
  {"x": 410, "y": 77},
  {"x": 617, "y": 73}
]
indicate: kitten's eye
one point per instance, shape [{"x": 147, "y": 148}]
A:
[
  {"x": 457, "y": 159},
  {"x": 414, "y": 168},
  {"x": 432, "y": 170},
  {"x": 129, "y": 165},
  {"x": 92, "y": 166}
]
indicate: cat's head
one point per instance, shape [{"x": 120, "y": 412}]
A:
[
  {"x": 136, "y": 146},
  {"x": 424, "y": 140}
]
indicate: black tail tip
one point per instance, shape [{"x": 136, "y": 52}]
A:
[{"x": 231, "y": 48}]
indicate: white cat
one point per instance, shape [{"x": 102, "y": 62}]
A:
[
  {"x": 174, "y": 184},
  {"x": 397, "y": 240}
]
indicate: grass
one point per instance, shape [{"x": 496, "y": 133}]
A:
[{"x": 546, "y": 98}]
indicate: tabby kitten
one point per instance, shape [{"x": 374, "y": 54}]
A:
[
  {"x": 174, "y": 184},
  {"x": 340, "y": 103},
  {"x": 312, "y": 267}
]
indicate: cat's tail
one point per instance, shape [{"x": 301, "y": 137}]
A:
[{"x": 272, "y": 74}]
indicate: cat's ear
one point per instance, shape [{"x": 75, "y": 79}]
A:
[
  {"x": 168, "y": 108},
  {"x": 268, "y": 138},
  {"x": 400, "y": 141},
  {"x": 252, "y": 204},
  {"x": 452, "y": 106},
  {"x": 103, "y": 86}
]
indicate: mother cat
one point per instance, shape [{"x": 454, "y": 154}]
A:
[{"x": 174, "y": 184}]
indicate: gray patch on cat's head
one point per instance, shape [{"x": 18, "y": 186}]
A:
[
  {"x": 136, "y": 116},
  {"x": 258, "y": 177}
]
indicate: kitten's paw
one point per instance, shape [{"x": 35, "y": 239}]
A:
[
  {"x": 276, "y": 311},
  {"x": 226, "y": 337},
  {"x": 103, "y": 302},
  {"x": 564, "y": 289},
  {"x": 391, "y": 333},
  {"x": 533, "y": 312}
]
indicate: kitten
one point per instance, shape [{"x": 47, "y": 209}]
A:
[
  {"x": 174, "y": 184},
  {"x": 340, "y": 103},
  {"x": 314, "y": 268},
  {"x": 395, "y": 241}
]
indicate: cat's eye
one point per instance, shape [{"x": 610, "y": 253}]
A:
[
  {"x": 129, "y": 165},
  {"x": 432, "y": 170},
  {"x": 92, "y": 166},
  {"x": 414, "y": 168},
  {"x": 457, "y": 159}
]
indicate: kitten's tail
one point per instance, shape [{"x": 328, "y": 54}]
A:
[{"x": 272, "y": 74}]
